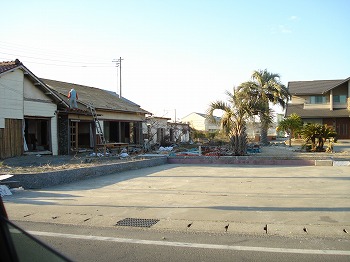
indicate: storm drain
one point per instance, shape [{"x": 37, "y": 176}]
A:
[{"x": 137, "y": 222}]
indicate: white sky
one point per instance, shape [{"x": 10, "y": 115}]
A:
[{"x": 178, "y": 55}]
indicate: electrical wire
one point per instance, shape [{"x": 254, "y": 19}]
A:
[
  {"x": 5, "y": 49},
  {"x": 48, "y": 52}
]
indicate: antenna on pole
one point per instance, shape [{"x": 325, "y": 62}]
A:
[{"x": 118, "y": 63}]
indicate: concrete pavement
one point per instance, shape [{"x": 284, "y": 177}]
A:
[{"x": 208, "y": 198}]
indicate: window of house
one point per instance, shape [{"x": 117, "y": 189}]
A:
[
  {"x": 317, "y": 100},
  {"x": 340, "y": 99}
]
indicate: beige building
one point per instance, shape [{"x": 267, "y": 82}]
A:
[{"x": 199, "y": 122}]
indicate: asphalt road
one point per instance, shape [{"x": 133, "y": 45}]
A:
[
  {"x": 304, "y": 208},
  {"x": 124, "y": 244}
]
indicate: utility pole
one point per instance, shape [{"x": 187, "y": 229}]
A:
[{"x": 118, "y": 63}]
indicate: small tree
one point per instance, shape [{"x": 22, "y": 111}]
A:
[
  {"x": 197, "y": 134},
  {"x": 290, "y": 125},
  {"x": 317, "y": 134},
  {"x": 211, "y": 135}
]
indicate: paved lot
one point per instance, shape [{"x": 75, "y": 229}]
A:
[{"x": 209, "y": 198}]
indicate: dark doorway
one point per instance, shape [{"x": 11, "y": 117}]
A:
[
  {"x": 37, "y": 134},
  {"x": 80, "y": 135}
]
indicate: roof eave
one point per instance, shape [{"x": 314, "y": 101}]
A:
[
  {"x": 46, "y": 87},
  {"x": 120, "y": 110},
  {"x": 345, "y": 80}
]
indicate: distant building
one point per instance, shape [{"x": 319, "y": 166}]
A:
[
  {"x": 158, "y": 130},
  {"x": 199, "y": 122},
  {"x": 253, "y": 130}
]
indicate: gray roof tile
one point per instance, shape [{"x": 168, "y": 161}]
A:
[
  {"x": 9, "y": 65},
  {"x": 313, "y": 87},
  {"x": 101, "y": 99}
]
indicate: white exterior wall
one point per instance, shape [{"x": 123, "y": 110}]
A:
[
  {"x": 39, "y": 109},
  {"x": 11, "y": 96},
  {"x": 32, "y": 92},
  {"x": 210, "y": 126}
]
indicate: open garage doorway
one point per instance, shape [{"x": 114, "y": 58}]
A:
[{"x": 37, "y": 134}]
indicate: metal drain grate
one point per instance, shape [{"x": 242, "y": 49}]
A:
[{"x": 137, "y": 222}]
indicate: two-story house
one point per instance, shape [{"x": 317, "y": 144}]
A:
[{"x": 323, "y": 102}]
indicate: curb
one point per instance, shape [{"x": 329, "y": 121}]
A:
[{"x": 48, "y": 179}]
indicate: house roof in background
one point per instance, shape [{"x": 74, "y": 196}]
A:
[
  {"x": 203, "y": 115},
  {"x": 315, "y": 113},
  {"x": 101, "y": 99},
  {"x": 158, "y": 117},
  {"x": 313, "y": 87},
  {"x": 9, "y": 65}
]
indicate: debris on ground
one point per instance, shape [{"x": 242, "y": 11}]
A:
[{"x": 34, "y": 164}]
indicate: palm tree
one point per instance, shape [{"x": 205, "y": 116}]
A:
[
  {"x": 290, "y": 125},
  {"x": 264, "y": 88},
  {"x": 317, "y": 134},
  {"x": 233, "y": 121}
]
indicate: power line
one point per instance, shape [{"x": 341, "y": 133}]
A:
[
  {"x": 54, "y": 60},
  {"x": 28, "y": 49},
  {"x": 8, "y": 48},
  {"x": 63, "y": 65}
]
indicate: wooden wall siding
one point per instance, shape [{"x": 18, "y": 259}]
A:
[
  {"x": 11, "y": 88},
  {"x": 11, "y": 139}
]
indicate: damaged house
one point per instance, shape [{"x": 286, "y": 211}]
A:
[
  {"x": 120, "y": 119},
  {"x": 158, "y": 130},
  {"x": 35, "y": 115}
]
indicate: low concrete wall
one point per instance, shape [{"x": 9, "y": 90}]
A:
[
  {"x": 323, "y": 162},
  {"x": 47, "y": 179},
  {"x": 240, "y": 160}
]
